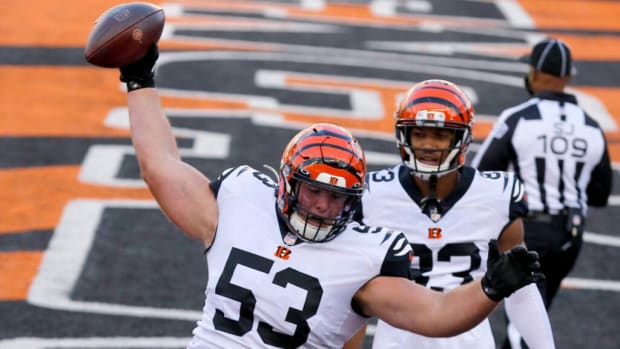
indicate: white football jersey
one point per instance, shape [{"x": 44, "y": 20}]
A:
[
  {"x": 448, "y": 251},
  {"x": 264, "y": 293}
]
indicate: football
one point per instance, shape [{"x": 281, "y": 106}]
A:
[{"x": 123, "y": 34}]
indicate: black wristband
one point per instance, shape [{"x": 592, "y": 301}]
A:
[
  {"x": 140, "y": 83},
  {"x": 488, "y": 290},
  {"x": 140, "y": 74}
]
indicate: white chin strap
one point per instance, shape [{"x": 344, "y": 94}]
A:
[{"x": 307, "y": 230}]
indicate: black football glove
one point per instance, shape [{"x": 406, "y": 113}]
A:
[
  {"x": 140, "y": 74},
  {"x": 508, "y": 272}
]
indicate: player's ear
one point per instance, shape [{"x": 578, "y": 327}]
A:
[
  {"x": 567, "y": 79},
  {"x": 537, "y": 77}
]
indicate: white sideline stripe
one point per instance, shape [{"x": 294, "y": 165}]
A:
[
  {"x": 422, "y": 6},
  {"x": 383, "y": 7},
  {"x": 600, "y": 239},
  {"x": 614, "y": 200},
  {"x": 515, "y": 14},
  {"x": 315, "y": 5},
  {"x": 114, "y": 342},
  {"x": 64, "y": 260},
  {"x": 591, "y": 284},
  {"x": 440, "y": 48},
  {"x": 356, "y": 58},
  {"x": 265, "y": 26}
]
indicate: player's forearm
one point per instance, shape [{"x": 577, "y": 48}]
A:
[
  {"x": 404, "y": 304},
  {"x": 460, "y": 310}
]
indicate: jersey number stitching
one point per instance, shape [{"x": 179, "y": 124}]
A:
[
  {"x": 247, "y": 300},
  {"x": 444, "y": 255}
]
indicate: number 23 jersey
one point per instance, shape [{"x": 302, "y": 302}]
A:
[
  {"x": 264, "y": 293},
  {"x": 452, "y": 250}
]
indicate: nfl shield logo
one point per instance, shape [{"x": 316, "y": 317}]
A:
[{"x": 290, "y": 239}]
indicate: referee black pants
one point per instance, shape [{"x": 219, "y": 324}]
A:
[{"x": 557, "y": 249}]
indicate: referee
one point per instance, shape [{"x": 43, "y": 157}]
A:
[{"x": 560, "y": 154}]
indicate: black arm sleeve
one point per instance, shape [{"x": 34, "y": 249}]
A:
[
  {"x": 215, "y": 184},
  {"x": 600, "y": 184},
  {"x": 358, "y": 215},
  {"x": 518, "y": 205},
  {"x": 498, "y": 154},
  {"x": 397, "y": 261}
]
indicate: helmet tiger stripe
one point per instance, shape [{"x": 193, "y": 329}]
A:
[
  {"x": 436, "y": 95},
  {"x": 326, "y": 156},
  {"x": 440, "y": 104}
]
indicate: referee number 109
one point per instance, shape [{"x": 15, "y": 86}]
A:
[{"x": 560, "y": 145}]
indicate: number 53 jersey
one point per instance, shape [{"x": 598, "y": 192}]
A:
[
  {"x": 451, "y": 249},
  {"x": 265, "y": 293}
]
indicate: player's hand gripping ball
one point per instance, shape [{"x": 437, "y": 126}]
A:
[{"x": 123, "y": 34}]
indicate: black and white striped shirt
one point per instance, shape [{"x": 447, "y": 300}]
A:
[{"x": 557, "y": 150}]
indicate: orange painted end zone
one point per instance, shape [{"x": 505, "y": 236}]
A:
[
  {"x": 17, "y": 269},
  {"x": 34, "y": 198},
  {"x": 58, "y": 101},
  {"x": 573, "y": 14},
  {"x": 49, "y": 23},
  {"x": 591, "y": 47}
]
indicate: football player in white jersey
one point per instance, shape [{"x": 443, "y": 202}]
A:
[
  {"x": 287, "y": 267},
  {"x": 449, "y": 213}
]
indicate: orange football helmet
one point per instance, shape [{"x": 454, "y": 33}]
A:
[
  {"x": 328, "y": 157},
  {"x": 435, "y": 103}
]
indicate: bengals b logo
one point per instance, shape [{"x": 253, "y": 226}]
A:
[
  {"x": 283, "y": 252},
  {"x": 434, "y": 233}
]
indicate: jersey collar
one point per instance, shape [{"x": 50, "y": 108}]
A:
[
  {"x": 465, "y": 179},
  {"x": 557, "y": 96}
]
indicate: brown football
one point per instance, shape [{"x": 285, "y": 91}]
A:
[{"x": 123, "y": 34}]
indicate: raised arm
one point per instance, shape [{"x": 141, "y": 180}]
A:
[
  {"x": 181, "y": 191},
  {"x": 407, "y": 305}
]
